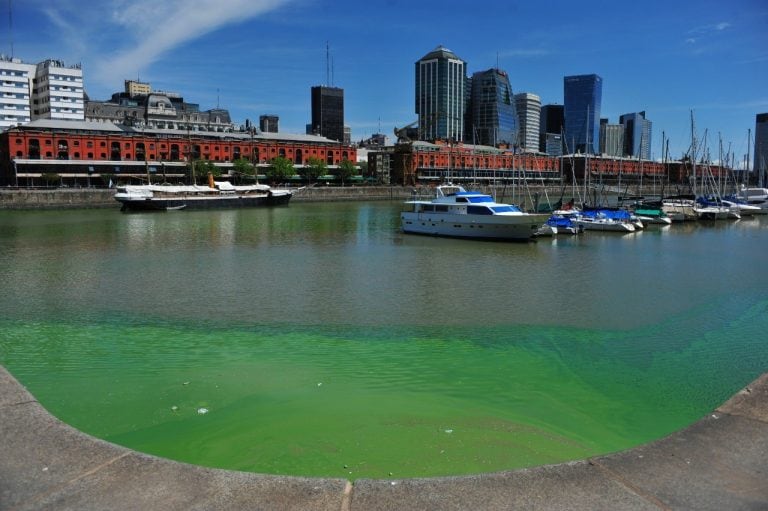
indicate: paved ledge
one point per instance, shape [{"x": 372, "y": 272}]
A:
[{"x": 720, "y": 462}]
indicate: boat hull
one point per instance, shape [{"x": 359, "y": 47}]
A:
[
  {"x": 222, "y": 202},
  {"x": 491, "y": 227}
]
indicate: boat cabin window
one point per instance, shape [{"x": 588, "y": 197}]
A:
[
  {"x": 441, "y": 208},
  {"x": 480, "y": 198},
  {"x": 462, "y": 199},
  {"x": 505, "y": 209},
  {"x": 478, "y": 210}
]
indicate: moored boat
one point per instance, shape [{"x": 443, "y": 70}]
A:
[
  {"x": 455, "y": 212},
  {"x": 217, "y": 195}
]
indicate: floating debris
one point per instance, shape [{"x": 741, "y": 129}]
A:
[
  {"x": 202, "y": 411},
  {"x": 449, "y": 431},
  {"x": 320, "y": 384},
  {"x": 185, "y": 383},
  {"x": 174, "y": 408}
]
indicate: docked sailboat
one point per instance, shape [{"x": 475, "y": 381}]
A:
[{"x": 455, "y": 212}]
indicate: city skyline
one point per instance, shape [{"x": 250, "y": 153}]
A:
[{"x": 256, "y": 58}]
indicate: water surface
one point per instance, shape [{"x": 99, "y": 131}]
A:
[{"x": 323, "y": 342}]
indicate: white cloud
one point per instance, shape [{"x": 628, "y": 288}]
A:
[{"x": 139, "y": 32}]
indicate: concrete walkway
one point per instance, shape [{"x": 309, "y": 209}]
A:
[{"x": 720, "y": 462}]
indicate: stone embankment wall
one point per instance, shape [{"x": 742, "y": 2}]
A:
[
  {"x": 59, "y": 198},
  {"x": 71, "y": 198}
]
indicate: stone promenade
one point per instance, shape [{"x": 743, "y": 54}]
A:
[{"x": 718, "y": 463}]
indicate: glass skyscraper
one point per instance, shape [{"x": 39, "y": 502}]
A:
[
  {"x": 441, "y": 95},
  {"x": 583, "y": 95},
  {"x": 637, "y": 135},
  {"x": 493, "y": 114},
  {"x": 761, "y": 148}
]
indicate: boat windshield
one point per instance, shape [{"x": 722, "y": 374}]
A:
[
  {"x": 479, "y": 199},
  {"x": 505, "y": 209}
]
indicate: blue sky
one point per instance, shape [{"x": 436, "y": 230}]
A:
[{"x": 262, "y": 56}]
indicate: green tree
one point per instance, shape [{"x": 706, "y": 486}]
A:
[
  {"x": 345, "y": 170},
  {"x": 243, "y": 167},
  {"x": 314, "y": 168},
  {"x": 203, "y": 168},
  {"x": 51, "y": 178},
  {"x": 280, "y": 169}
]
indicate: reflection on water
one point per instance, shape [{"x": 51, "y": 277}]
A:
[{"x": 320, "y": 337}]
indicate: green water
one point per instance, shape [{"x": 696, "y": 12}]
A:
[{"x": 323, "y": 342}]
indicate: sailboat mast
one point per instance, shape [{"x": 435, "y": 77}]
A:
[{"x": 693, "y": 152}]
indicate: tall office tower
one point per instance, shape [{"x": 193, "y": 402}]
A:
[
  {"x": 582, "y": 97},
  {"x": 611, "y": 138},
  {"x": 268, "y": 123},
  {"x": 637, "y": 135},
  {"x": 761, "y": 149},
  {"x": 328, "y": 112},
  {"x": 529, "y": 118},
  {"x": 551, "y": 123},
  {"x": 493, "y": 114},
  {"x": 47, "y": 90},
  {"x": 441, "y": 95}
]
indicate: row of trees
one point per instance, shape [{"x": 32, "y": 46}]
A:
[{"x": 281, "y": 169}]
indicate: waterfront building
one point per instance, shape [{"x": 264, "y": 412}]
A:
[
  {"x": 441, "y": 95},
  {"x": 492, "y": 106},
  {"x": 761, "y": 149},
  {"x": 328, "y": 112},
  {"x": 637, "y": 135},
  {"x": 140, "y": 106},
  {"x": 611, "y": 139},
  {"x": 552, "y": 120},
  {"x": 46, "y": 90},
  {"x": 582, "y": 99},
  {"x": 95, "y": 153},
  {"x": 268, "y": 123},
  {"x": 529, "y": 117}
]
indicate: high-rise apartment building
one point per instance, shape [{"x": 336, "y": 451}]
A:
[
  {"x": 492, "y": 106},
  {"x": 441, "y": 95},
  {"x": 15, "y": 92},
  {"x": 529, "y": 117},
  {"x": 47, "y": 90},
  {"x": 611, "y": 139},
  {"x": 761, "y": 148},
  {"x": 637, "y": 135},
  {"x": 582, "y": 98},
  {"x": 328, "y": 112},
  {"x": 552, "y": 119}
]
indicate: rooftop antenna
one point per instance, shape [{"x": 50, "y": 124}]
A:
[
  {"x": 217, "y": 98},
  {"x": 327, "y": 64},
  {"x": 333, "y": 79}
]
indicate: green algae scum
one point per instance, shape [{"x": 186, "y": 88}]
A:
[{"x": 317, "y": 340}]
